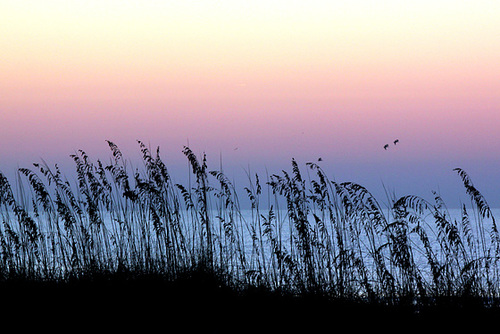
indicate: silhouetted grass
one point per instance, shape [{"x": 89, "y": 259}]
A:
[{"x": 308, "y": 246}]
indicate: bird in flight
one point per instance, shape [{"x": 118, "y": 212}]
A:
[{"x": 386, "y": 146}]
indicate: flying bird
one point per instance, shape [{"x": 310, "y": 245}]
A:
[
  {"x": 386, "y": 146},
  {"x": 396, "y": 141}
]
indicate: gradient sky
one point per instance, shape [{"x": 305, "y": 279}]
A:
[{"x": 274, "y": 79}]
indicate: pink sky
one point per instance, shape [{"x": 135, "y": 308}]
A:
[{"x": 276, "y": 80}]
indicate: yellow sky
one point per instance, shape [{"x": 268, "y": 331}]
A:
[
  {"x": 342, "y": 73},
  {"x": 278, "y": 48}
]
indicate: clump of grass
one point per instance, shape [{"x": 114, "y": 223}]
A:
[{"x": 304, "y": 234}]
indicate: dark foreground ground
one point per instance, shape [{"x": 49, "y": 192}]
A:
[{"x": 197, "y": 303}]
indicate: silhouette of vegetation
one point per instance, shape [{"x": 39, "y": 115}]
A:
[{"x": 326, "y": 242}]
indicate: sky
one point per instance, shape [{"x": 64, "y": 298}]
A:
[{"x": 257, "y": 83}]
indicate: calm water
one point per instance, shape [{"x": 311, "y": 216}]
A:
[{"x": 252, "y": 238}]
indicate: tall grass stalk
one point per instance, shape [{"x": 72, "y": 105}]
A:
[{"x": 303, "y": 233}]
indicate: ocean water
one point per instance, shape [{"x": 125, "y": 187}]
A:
[{"x": 251, "y": 237}]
